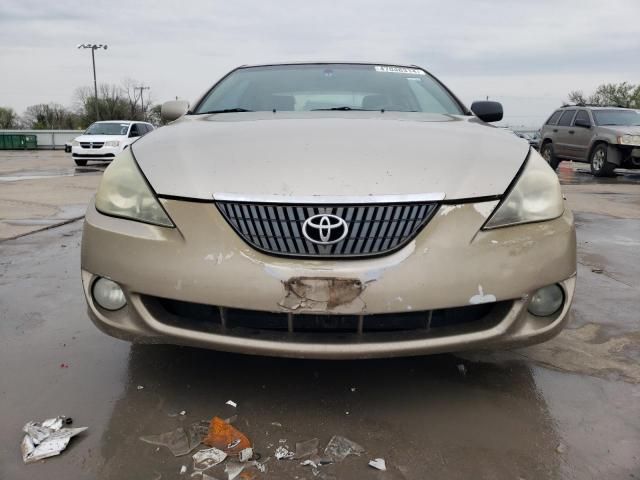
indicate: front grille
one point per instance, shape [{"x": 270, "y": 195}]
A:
[
  {"x": 91, "y": 144},
  {"x": 93, "y": 155},
  {"x": 371, "y": 229},
  {"x": 211, "y": 318}
]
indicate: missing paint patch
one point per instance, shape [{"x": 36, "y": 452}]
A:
[{"x": 321, "y": 294}]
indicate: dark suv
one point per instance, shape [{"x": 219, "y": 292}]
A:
[{"x": 606, "y": 137}]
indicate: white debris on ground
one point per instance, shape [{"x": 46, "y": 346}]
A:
[
  {"x": 46, "y": 439},
  {"x": 232, "y": 403},
  {"x": 378, "y": 463},
  {"x": 224, "y": 452},
  {"x": 245, "y": 455},
  {"x": 208, "y": 458},
  {"x": 282, "y": 453}
]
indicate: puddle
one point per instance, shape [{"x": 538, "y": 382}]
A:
[
  {"x": 68, "y": 212},
  {"x": 581, "y": 175},
  {"x": 70, "y": 172}
]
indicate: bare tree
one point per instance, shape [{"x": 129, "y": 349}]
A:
[
  {"x": 577, "y": 97},
  {"x": 8, "y": 118},
  {"x": 610, "y": 94},
  {"x": 50, "y": 116}
]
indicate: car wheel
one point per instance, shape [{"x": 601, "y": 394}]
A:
[
  {"x": 80, "y": 163},
  {"x": 548, "y": 154},
  {"x": 599, "y": 165}
]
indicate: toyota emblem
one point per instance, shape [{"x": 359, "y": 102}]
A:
[{"x": 325, "y": 229}]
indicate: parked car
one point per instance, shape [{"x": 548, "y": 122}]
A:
[
  {"x": 330, "y": 210},
  {"x": 533, "y": 141},
  {"x": 606, "y": 137},
  {"x": 102, "y": 141}
]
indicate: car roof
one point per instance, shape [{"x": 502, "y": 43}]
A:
[
  {"x": 121, "y": 121},
  {"x": 596, "y": 107},
  {"x": 326, "y": 62}
]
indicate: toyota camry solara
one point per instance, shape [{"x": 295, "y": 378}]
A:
[{"x": 330, "y": 210}]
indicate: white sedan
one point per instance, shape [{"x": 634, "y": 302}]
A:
[{"x": 102, "y": 141}]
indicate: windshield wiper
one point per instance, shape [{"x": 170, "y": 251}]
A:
[
  {"x": 226, "y": 110},
  {"x": 345, "y": 109}
]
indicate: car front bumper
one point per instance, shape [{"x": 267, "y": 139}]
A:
[
  {"x": 103, "y": 153},
  {"x": 451, "y": 264}
]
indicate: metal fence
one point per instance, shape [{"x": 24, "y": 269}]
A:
[{"x": 49, "y": 139}]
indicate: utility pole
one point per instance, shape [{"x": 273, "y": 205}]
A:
[
  {"x": 93, "y": 48},
  {"x": 142, "y": 88}
]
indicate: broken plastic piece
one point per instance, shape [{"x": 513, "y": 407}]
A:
[
  {"x": 226, "y": 437},
  {"x": 378, "y": 463},
  {"x": 340, "y": 448},
  {"x": 208, "y": 458},
  {"x": 232, "y": 403},
  {"x": 283, "y": 453},
  {"x": 180, "y": 441},
  {"x": 46, "y": 439},
  {"x": 309, "y": 462},
  {"x": 306, "y": 449},
  {"x": 233, "y": 469},
  {"x": 245, "y": 455}
]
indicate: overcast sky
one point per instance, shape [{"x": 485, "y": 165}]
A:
[{"x": 528, "y": 54}]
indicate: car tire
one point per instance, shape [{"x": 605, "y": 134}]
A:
[
  {"x": 548, "y": 154},
  {"x": 598, "y": 161},
  {"x": 80, "y": 163}
]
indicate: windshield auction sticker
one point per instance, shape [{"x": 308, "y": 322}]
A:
[{"x": 387, "y": 69}]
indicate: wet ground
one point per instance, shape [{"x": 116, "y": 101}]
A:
[
  {"x": 567, "y": 409},
  {"x": 41, "y": 189}
]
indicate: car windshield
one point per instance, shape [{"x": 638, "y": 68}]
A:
[
  {"x": 329, "y": 87},
  {"x": 107, "y": 129},
  {"x": 617, "y": 117}
]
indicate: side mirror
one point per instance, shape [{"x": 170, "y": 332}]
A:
[
  {"x": 579, "y": 122},
  {"x": 173, "y": 110},
  {"x": 487, "y": 111}
]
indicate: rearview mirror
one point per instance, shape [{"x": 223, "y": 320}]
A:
[
  {"x": 581, "y": 122},
  {"x": 487, "y": 111},
  {"x": 173, "y": 110}
]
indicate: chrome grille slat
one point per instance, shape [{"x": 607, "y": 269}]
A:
[{"x": 373, "y": 229}]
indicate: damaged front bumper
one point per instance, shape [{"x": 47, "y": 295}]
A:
[{"x": 453, "y": 287}]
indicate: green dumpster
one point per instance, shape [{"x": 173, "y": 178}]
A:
[
  {"x": 31, "y": 142},
  {"x": 2, "y": 141},
  {"x": 18, "y": 142}
]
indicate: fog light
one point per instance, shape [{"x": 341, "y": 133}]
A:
[
  {"x": 108, "y": 294},
  {"x": 546, "y": 301}
]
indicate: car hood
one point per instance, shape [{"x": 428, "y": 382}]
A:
[
  {"x": 99, "y": 138},
  {"x": 330, "y": 153},
  {"x": 622, "y": 129}
]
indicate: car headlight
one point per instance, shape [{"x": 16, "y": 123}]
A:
[
  {"x": 75, "y": 143},
  {"x": 124, "y": 192},
  {"x": 112, "y": 143},
  {"x": 535, "y": 197},
  {"x": 629, "y": 140}
]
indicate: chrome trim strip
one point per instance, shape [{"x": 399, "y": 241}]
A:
[{"x": 329, "y": 199}]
